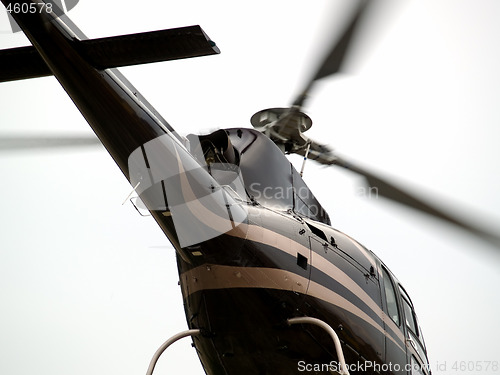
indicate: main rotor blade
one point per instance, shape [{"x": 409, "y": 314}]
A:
[
  {"x": 28, "y": 143},
  {"x": 324, "y": 155},
  {"x": 333, "y": 61}
]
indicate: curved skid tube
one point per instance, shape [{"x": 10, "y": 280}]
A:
[
  {"x": 166, "y": 344},
  {"x": 331, "y": 332}
]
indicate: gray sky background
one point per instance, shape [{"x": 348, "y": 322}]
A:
[{"x": 89, "y": 286}]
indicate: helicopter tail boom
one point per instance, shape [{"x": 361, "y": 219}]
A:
[
  {"x": 169, "y": 180},
  {"x": 120, "y": 116}
]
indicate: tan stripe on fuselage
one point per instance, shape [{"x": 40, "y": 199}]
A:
[
  {"x": 208, "y": 277},
  {"x": 268, "y": 237},
  {"x": 285, "y": 244}
]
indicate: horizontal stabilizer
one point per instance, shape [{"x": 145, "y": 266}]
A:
[{"x": 112, "y": 52}]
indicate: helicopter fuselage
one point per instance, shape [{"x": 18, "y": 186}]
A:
[
  {"x": 254, "y": 247},
  {"x": 284, "y": 261}
]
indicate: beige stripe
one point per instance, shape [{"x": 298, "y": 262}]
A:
[
  {"x": 193, "y": 202},
  {"x": 217, "y": 223},
  {"x": 283, "y": 243},
  {"x": 394, "y": 328},
  {"x": 330, "y": 269},
  {"x": 268, "y": 237},
  {"x": 208, "y": 277},
  {"x": 321, "y": 292},
  {"x": 222, "y": 277},
  {"x": 271, "y": 238},
  {"x": 364, "y": 251}
]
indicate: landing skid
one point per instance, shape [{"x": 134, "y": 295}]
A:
[
  {"x": 299, "y": 320},
  {"x": 330, "y": 331},
  {"x": 166, "y": 344}
]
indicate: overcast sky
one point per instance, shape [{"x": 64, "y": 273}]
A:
[{"x": 89, "y": 286}]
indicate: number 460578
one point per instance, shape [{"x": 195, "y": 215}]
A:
[{"x": 29, "y": 8}]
